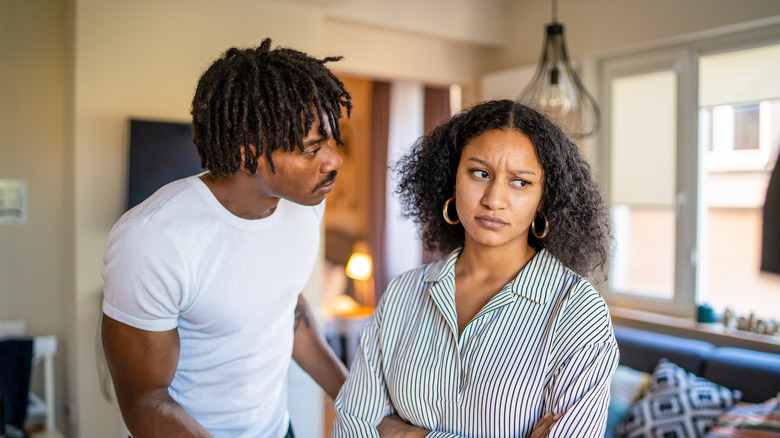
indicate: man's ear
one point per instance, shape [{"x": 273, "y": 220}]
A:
[{"x": 252, "y": 155}]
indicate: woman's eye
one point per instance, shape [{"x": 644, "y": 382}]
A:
[
  {"x": 480, "y": 173},
  {"x": 520, "y": 183}
]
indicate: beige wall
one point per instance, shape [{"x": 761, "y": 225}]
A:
[
  {"x": 596, "y": 26},
  {"x": 32, "y": 148},
  {"x": 33, "y": 256},
  {"x": 62, "y": 118}
]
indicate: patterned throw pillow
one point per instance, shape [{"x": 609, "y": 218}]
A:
[
  {"x": 749, "y": 420},
  {"x": 626, "y": 387},
  {"x": 677, "y": 404}
]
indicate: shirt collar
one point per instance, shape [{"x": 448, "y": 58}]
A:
[
  {"x": 535, "y": 282},
  {"x": 443, "y": 267}
]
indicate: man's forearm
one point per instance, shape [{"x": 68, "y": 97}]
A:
[
  {"x": 142, "y": 365},
  {"x": 313, "y": 354},
  {"x": 160, "y": 417}
]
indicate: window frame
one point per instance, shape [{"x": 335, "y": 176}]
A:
[{"x": 682, "y": 57}]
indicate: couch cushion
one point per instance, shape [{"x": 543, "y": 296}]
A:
[
  {"x": 676, "y": 404},
  {"x": 755, "y": 373},
  {"x": 626, "y": 387},
  {"x": 641, "y": 350},
  {"x": 749, "y": 420}
]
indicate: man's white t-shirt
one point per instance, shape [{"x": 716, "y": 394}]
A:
[{"x": 230, "y": 286}]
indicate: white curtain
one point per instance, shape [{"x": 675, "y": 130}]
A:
[{"x": 403, "y": 250}]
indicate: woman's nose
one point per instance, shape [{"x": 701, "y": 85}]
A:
[{"x": 495, "y": 196}]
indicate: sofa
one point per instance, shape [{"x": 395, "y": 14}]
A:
[{"x": 678, "y": 387}]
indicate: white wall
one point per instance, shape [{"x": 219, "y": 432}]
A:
[{"x": 403, "y": 249}]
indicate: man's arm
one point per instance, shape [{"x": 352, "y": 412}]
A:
[
  {"x": 142, "y": 365},
  {"x": 312, "y": 353}
]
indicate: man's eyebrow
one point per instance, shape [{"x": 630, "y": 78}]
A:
[
  {"x": 313, "y": 141},
  {"x": 516, "y": 172}
]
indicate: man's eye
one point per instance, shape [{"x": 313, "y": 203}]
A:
[{"x": 313, "y": 151}]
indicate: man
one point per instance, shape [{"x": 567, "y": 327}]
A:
[{"x": 202, "y": 307}]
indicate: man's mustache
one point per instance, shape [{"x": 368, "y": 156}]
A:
[{"x": 328, "y": 180}]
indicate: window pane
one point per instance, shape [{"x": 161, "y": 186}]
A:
[
  {"x": 745, "y": 139},
  {"x": 642, "y": 183},
  {"x": 746, "y": 126}
]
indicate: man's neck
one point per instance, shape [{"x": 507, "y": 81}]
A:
[{"x": 240, "y": 196}]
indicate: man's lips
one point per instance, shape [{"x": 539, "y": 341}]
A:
[
  {"x": 327, "y": 183},
  {"x": 491, "y": 221}
]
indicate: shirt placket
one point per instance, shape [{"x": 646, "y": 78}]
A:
[
  {"x": 469, "y": 337},
  {"x": 442, "y": 294}
]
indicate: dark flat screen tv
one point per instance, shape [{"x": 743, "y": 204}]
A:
[{"x": 159, "y": 152}]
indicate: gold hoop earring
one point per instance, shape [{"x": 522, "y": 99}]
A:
[
  {"x": 447, "y": 216},
  {"x": 546, "y": 227}
]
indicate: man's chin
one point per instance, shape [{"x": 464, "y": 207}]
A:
[{"x": 315, "y": 199}]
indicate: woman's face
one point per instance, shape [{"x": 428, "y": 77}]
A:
[{"x": 498, "y": 188}]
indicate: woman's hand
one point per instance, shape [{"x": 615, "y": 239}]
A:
[
  {"x": 543, "y": 426},
  {"x": 394, "y": 427}
]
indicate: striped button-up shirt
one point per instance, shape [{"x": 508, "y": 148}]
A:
[{"x": 544, "y": 343}]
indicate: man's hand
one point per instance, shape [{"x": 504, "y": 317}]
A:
[{"x": 394, "y": 427}]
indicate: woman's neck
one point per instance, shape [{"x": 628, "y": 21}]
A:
[{"x": 492, "y": 264}]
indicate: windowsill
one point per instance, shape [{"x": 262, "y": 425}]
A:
[
  {"x": 686, "y": 327},
  {"x": 46, "y": 434}
]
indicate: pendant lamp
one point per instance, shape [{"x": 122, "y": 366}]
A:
[{"x": 556, "y": 89}]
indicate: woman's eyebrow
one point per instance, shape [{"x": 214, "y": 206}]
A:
[{"x": 516, "y": 172}]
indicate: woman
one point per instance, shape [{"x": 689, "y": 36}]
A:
[{"x": 504, "y": 328}]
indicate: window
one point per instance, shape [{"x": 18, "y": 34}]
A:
[
  {"x": 691, "y": 135},
  {"x": 643, "y": 185}
]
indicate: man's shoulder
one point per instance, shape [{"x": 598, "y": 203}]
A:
[
  {"x": 176, "y": 192},
  {"x": 169, "y": 208}
]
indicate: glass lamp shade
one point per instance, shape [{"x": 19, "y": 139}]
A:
[
  {"x": 556, "y": 89},
  {"x": 359, "y": 266}
]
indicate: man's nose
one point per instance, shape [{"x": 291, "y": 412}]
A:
[{"x": 331, "y": 159}]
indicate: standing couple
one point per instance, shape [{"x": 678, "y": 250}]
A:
[{"x": 501, "y": 337}]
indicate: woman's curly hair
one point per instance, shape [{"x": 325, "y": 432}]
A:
[
  {"x": 579, "y": 226},
  {"x": 266, "y": 98}
]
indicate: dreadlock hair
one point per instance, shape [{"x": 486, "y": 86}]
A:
[
  {"x": 265, "y": 98},
  {"x": 579, "y": 226}
]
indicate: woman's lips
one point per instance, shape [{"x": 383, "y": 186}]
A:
[{"x": 491, "y": 222}]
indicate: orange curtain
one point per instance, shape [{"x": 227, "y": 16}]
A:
[
  {"x": 380, "y": 125},
  {"x": 436, "y": 112}
]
